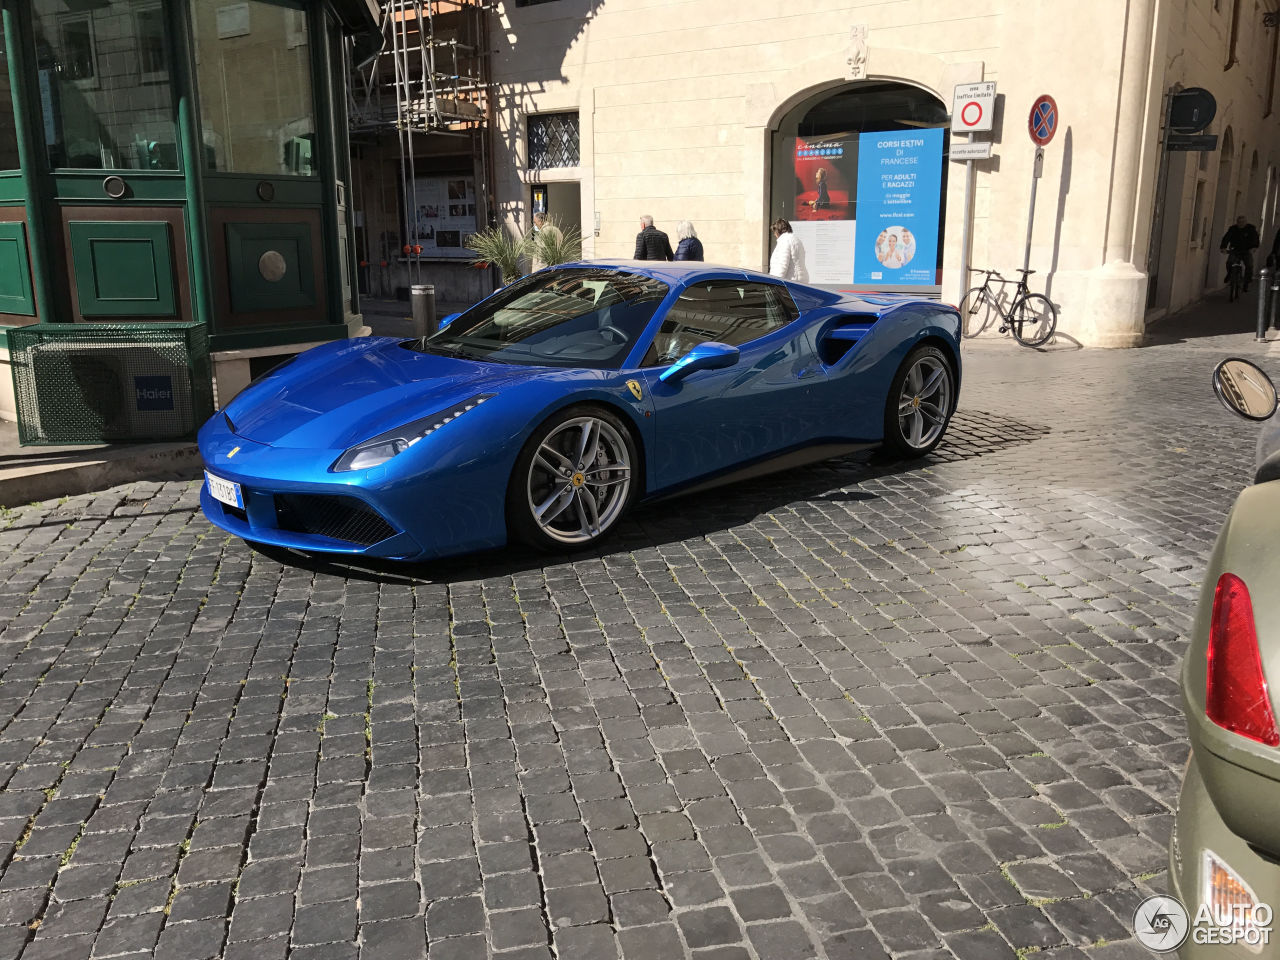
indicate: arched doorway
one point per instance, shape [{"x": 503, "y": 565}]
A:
[{"x": 860, "y": 172}]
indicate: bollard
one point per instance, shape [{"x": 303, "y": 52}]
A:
[
  {"x": 1274, "y": 300},
  {"x": 422, "y": 303},
  {"x": 1264, "y": 295}
]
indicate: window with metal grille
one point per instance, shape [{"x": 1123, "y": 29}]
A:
[{"x": 553, "y": 140}]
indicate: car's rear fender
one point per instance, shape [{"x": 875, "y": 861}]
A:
[
  {"x": 1198, "y": 829},
  {"x": 1242, "y": 776},
  {"x": 877, "y": 346}
]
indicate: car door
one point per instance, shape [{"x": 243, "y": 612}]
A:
[{"x": 714, "y": 420}]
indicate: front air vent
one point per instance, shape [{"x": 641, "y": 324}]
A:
[{"x": 333, "y": 516}]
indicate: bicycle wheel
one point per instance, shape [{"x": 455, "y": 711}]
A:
[
  {"x": 1233, "y": 284},
  {"x": 978, "y": 311},
  {"x": 1033, "y": 319}
]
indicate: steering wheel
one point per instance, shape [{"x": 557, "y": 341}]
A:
[{"x": 615, "y": 335}]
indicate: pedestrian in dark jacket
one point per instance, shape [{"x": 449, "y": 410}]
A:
[
  {"x": 1241, "y": 240},
  {"x": 652, "y": 243},
  {"x": 690, "y": 247}
]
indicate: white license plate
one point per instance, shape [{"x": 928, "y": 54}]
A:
[{"x": 224, "y": 490}]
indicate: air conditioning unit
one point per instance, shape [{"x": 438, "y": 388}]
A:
[{"x": 94, "y": 383}]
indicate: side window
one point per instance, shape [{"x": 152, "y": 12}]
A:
[{"x": 728, "y": 311}]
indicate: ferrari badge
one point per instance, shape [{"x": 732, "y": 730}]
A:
[{"x": 634, "y": 387}]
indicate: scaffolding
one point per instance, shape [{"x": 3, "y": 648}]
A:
[{"x": 431, "y": 78}]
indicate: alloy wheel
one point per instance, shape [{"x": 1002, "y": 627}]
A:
[
  {"x": 579, "y": 480},
  {"x": 925, "y": 402}
]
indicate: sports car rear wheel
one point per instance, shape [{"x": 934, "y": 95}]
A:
[
  {"x": 921, "y": 401},
  {"x": 573, "y": 479}
]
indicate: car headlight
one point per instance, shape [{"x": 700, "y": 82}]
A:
[{"x": 378, "y": 450}]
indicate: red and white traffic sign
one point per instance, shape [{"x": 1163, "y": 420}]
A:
[
  {"x": 973, "y": 107},
  {"x": 1043, "y": 122}
]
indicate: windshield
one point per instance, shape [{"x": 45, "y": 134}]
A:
[{"x": 577, "y": 317}]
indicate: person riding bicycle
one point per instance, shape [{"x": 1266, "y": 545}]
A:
[{"x": 1239, "y": 242}]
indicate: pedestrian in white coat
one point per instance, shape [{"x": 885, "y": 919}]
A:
[{"x": 787, "y": 261}]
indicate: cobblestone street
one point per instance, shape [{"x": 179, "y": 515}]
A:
[{"x": 856, "y": 710}]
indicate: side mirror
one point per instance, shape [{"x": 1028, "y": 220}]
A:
[
  {"x": 1244, "y": 388},
  {"x": 705, "y": 356},
  {"x": 445, "y": 321}
]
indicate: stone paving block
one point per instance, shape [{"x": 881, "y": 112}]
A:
[
  {"x": 710, "y": 926},
  {"x": 262, "y": 918},
  {"x": 593, "y": 942},
  {"x": 400, "y": 939}
]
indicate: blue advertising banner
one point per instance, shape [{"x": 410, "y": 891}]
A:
[{"x": 899, "y": 190}]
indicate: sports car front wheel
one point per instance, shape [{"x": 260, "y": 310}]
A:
[
  {"x": 573, "y": 480},
  {"x": 921, "y": 400}
]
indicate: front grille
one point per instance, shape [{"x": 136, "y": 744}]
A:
[
  {"x": 327, "y": 515},
  {"x": 236, "y": 512}
]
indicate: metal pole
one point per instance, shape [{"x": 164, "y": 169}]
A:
[
  {"x": 966, "y": 227},
  {"x": 422, "y": 303},
  {"x": 1264, "y": 294},
  {"x": 1155, "y": 244},
  {"x": 1274, "y": 299},
  {"x": 1031, "y": 211},
  {"x": 31, "y": 158}
]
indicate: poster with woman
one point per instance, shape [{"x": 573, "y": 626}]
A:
[{"x": 826, "y": 170}]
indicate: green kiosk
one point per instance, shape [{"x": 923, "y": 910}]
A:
[{"x": 171, "y": 172}]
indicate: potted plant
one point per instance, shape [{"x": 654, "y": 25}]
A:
[
  {"x": 500, "y": 248},
  {"x": 552, "y": 244}
]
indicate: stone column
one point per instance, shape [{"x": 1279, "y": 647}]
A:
[{"x": 1115, "y": 300}]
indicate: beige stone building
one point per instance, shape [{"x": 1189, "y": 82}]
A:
[{"x": 603, "y": 110}]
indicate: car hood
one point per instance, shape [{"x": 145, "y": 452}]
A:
[{"x": 337, "y": 395}]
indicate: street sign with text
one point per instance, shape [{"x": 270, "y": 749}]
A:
[
  {"x": 1194, "y": 142},
  {"x": 973, "y": 107},
  {"x": 970, "y": 151}
]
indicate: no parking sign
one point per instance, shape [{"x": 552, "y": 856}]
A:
[{"x": 1043, "y": 122}]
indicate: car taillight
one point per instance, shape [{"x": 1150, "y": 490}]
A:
[{"x": 1236, "y": 696}]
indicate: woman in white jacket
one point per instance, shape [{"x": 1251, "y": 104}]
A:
[{"x": 787, "y": 260}]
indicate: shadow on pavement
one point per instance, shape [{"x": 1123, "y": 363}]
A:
[
  {"x": 1211, "y": 317},
  {"x": 972, "y": 434}
]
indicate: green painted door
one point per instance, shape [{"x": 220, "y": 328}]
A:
[
  {"x": 123, "y": 269},
  {"x": 15, "y": 271}
]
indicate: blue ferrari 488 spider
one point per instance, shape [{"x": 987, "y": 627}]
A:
[{"x": 544, "y": 412}]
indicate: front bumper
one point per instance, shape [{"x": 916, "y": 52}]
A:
[
  {"x": 1199, "y": 827},
  {"x": 266, "y": 515},
  {"x": 292, "y": 500}
]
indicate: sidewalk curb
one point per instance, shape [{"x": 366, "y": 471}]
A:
[{"x": 170, "y": 461}]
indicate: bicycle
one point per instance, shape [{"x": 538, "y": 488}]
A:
[
  {"x": 1031, "y": 317},
  {"x": 1235, "y": 276}
]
